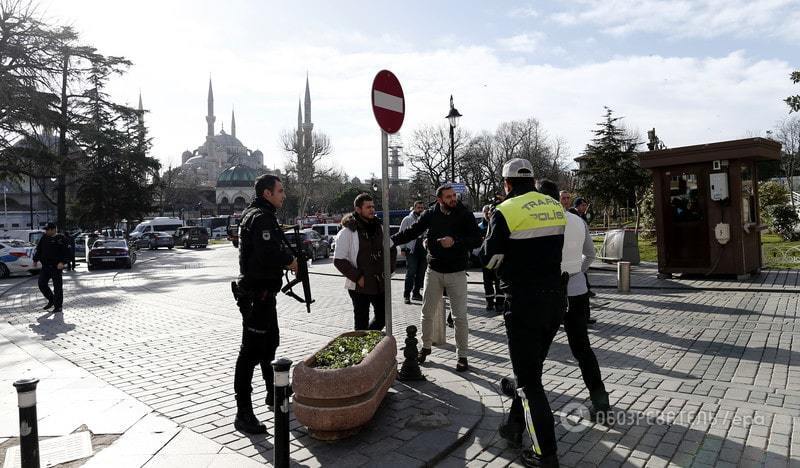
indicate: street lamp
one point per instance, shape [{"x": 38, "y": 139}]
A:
[{"x": 453, "y": 117}]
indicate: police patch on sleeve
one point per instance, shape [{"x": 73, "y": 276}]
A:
[{"x": 266, "y": 235}]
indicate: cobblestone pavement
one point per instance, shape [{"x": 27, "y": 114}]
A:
[{"x": 697, "y": 378}]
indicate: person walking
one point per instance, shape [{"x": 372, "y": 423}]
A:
[
  {"x": 581, "y": 209},
  {"x": 524, "y": 243},
  {"x": 52, "y": 251},
  {"x": 414, "y": 251},
  {"x": 359, "y": 257},
  {"x": 577, "y": 255},
  {"x": 495, "y": 299},
  {"x": 264, "y": 254},
  {"x": 451, "y": 234}
]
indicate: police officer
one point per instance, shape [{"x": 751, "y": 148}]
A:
[
  {"x": 53, "y": 251},
  {"x": 524, "y": 242},
  {"x": 264, "y": 254}
]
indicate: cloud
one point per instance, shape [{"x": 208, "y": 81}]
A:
[
  {"x": 687, "y": 19},
  {"x": 523, "y": 12},
  {"x": 527, "y": 42}
]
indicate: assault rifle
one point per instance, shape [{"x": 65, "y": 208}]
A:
[{"x": 302, "y": 271}]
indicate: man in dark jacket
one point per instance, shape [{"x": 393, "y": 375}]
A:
[
  {"x": 53, "y": 252},
  {"x": 264, "y": 254},
  {"x": 359, "y": 257},
  {"x": 452, "y": 234}
]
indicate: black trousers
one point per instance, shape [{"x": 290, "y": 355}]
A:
[
  {"x": 532, "y": 319},
  {"x": 56, "y": 295},
  {"x": 491, "y": 288},
  {"x": 361, "y": 304},
  {"x": 575, "y": 324},
  {"x": 416, "y": 263},
  {"x": 260, "y": 340}
]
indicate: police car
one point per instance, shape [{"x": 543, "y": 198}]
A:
[{"x": 16, "y": 256}]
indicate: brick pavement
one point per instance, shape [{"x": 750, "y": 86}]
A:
[{"x": 699, "y": 377}]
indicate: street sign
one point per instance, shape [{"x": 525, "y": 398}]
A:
[
  {"x": 388, "y": 102},
  {"x": 459, "y": 188}
]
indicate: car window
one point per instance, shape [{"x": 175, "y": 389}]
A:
[
  {"x": 319, "y": 229},
  {"x": 332, "y": 230}
]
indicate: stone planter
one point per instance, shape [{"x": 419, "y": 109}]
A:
[{"x": 335, "y": 403}]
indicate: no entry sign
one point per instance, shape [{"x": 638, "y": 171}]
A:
[{"x": 388, "y": 102}]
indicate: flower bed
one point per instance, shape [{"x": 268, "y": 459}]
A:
[{"x": 334, "y": 402}]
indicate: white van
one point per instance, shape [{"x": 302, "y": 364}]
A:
[
  {"x": 27, "y": 235},
  {"x": 159, "y": 224}
]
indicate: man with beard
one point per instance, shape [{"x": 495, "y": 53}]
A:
[{"x": 359, "y": 257}]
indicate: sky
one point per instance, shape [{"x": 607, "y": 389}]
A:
[{"x": 697, "y": 71}]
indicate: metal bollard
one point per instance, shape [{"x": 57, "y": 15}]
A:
[
  {"x": 281, "y": 443},
  {"x": 28, "y": 424},
  {"x": 624, "y": 276}
]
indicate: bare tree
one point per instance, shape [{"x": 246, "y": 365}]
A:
[
  {"x": 787, "y": 133},
  {"x": 429, "y": 152},
  {"x": 304, "y": 164},
  {"x": 475, "y": 170}
]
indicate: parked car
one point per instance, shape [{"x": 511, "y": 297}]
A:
[
  {"x": 16, "y": 256},
  {"x": 191, "y": 236},
  {"x": 315, "y": 246},
  {"x": 328, "y": 232},
  {"x": 111, "y": 252},
  {"x": 401, "y": 259},
  {"x": 219, "y": 232},
  {"x": 154, "y": 240},
  {"x": 80, "y": 245}
]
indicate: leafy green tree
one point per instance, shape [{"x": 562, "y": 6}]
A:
[
  {"x": 772, "y": 193},
  {"x": 794, "y": 101},
  {"x": 611, "y": 173}
]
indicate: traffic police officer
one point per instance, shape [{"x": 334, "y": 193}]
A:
[
  {"x": 524, "y": 243},
  {"x": 264, "y": 254},
  {"x": 53, "y": 251}
]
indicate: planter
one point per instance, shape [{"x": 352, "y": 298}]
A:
[{"x": 335, "y": 403}]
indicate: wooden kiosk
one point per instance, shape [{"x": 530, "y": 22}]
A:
[{"x": 706, "y": 203}]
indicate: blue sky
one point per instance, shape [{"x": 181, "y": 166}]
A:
[{"x": 697, "y": 71}]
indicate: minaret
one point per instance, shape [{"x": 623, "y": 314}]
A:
[
  {"x": 299, "y": 122},
  {"x": 307, "y": 125},
  {"x": 210, "y": 117},
  {"x": 233, "y": 124},
  {"x": 141, "y": 111}
]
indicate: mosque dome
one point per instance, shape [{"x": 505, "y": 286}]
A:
[{"x": 237, "y": 176}]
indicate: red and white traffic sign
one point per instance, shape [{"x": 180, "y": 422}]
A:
[{"x": 388, "y": 102}]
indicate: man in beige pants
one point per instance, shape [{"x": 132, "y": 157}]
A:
[{"x": 452, "y": 233}]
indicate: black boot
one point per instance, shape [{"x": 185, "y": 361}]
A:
[
  {"x": 489, "y": 304},
  {"x": 529, "y": 458},
  {"x": 245, "y": 420},
  {"x": 49, "y": 305}
]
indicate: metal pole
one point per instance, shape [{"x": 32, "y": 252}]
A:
[
  {"x": 30, "y": 197},
  {"x": 387, "y": 273},
  {"x": 28, "y": 424},
  {"x": 281, "y": 368},
  {"x": 624, "y": 276},
  {"x": 5, "y": 207},
  {"x": 452, "y": 156}
]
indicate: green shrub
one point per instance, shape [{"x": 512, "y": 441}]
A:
[
  {"x": 784, "y": 220},
  {"x": 347, "y": 351}
]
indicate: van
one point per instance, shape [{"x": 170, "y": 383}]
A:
[
  {"x": 27, "y": 235},
  {"x": 159, "y": 224},
  {"x": 327, "y": 231}
]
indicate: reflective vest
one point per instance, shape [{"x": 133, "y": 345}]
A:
[
  {"x": 533, "y": 215},
  {"x": 572, "y": 253}
]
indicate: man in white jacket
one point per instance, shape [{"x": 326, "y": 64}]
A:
[{"x": 416, "y": 262}]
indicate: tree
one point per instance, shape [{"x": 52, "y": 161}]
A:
[
  {"x": 304, "y": 165},
  {"x": 787, "y": 133},
  {"x": 429, "y": 152},
  {"x": 772, "y": 193},
  {"x": 794, "y": 101},
  {"x": 612, "y": 174}
]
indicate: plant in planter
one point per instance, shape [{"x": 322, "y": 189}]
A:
[{"x": 338, "y": 389}]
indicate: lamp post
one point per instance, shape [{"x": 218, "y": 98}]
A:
[
  {"x": 5, "y": 207},
  {"x": 453, "y": 117}
]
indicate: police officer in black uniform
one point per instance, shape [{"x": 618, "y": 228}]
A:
[
  {"x": 53, "y": 251},
  {"x": 264, "y": 254}
]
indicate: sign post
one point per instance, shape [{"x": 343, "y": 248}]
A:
[{"x": 389, "y": 108}]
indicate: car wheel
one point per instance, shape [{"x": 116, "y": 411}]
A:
[
  {"x": 4, "y": 271},
  {"x": 170, "y": 247}
]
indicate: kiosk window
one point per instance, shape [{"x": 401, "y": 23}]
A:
[
  {"x": 684, "y": 194},
  {"x": 748, "y": 196}
]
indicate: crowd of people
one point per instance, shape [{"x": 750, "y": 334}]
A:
[{"x": 535, "y": 251}]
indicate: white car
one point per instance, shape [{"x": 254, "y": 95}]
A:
[{"x": 16, "y": 256}]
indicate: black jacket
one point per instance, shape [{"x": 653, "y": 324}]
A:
[
  {"x": 52, "y": 250},
  {"x": 459, "y": 224},
  {"x": 263, "y": 250}
]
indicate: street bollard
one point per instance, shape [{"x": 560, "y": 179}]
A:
[
  {"x": 410, "y": 369},
  {"x": 28, "y": 424},
  {"x": 281, "y": 443},
  {"x": 624, "y": 276}
]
